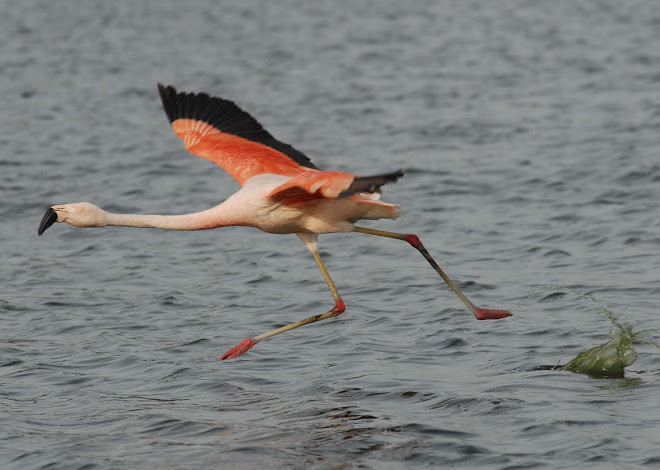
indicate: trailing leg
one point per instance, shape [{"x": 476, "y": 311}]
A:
[{"x": 414, "y": 241}]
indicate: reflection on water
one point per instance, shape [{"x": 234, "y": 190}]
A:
[{"x": 625, "y": 382}]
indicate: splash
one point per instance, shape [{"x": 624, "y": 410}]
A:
[{"x": 607, "y": 360}]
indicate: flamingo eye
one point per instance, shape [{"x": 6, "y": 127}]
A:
[{"x": 79, "y": 210}]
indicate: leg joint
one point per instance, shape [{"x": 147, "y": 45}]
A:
[
  {"x": 414, "y": 241},
  {"x": 339, "y": 308}
]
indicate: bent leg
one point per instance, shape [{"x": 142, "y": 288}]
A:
[{"x": 338, "y": 309}]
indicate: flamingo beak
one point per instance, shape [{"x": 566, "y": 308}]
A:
[{"x": 50, "y": 217}]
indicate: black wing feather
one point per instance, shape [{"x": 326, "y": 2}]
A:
[{"x": 370, "y": 184}]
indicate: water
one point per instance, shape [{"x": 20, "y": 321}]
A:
[{"x": 530, "y": 136}]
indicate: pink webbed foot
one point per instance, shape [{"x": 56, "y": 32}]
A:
[
  {"x": 490, "y": 314},
  {"x": 242, "y": 347}
]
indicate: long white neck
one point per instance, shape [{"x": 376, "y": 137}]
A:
[{"x": 211, "y": 218}]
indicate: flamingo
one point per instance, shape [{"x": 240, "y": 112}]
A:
[{"x": 281, "y": 192}]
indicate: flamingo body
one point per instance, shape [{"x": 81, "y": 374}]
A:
[
  {"x": 277, "y": 204},
  {"x": 281, "y": 192}
]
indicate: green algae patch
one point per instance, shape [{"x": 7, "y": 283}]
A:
[{"x": 606, "y": 360}]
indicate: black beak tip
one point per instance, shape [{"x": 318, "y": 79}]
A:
[{"x": 49, "y": 218}]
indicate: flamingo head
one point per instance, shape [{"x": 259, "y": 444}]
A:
[{"x": 79, "y": 214}]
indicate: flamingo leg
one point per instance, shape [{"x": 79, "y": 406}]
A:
[
  {"x": 479, "y": 313},
  {"x": 338, "y": 309}
]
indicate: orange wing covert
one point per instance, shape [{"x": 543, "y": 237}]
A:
[
  {"x": 316, "y": 184},
  {"x": 242, "y": 158}
]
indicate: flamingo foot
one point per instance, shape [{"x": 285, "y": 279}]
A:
[
  {"x": 242, "y": 347},
  {"x": 490, "y": 314}
]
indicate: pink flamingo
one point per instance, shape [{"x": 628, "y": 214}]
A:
[{"x": 282, "y": 192}]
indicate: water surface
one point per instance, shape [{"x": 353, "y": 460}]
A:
[{"x": 530, "y": 136}]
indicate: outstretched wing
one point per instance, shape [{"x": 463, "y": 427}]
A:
[{"x": 218, "y": 130}]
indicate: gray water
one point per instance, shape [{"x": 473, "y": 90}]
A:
[{"x": 530, "y": 132}]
